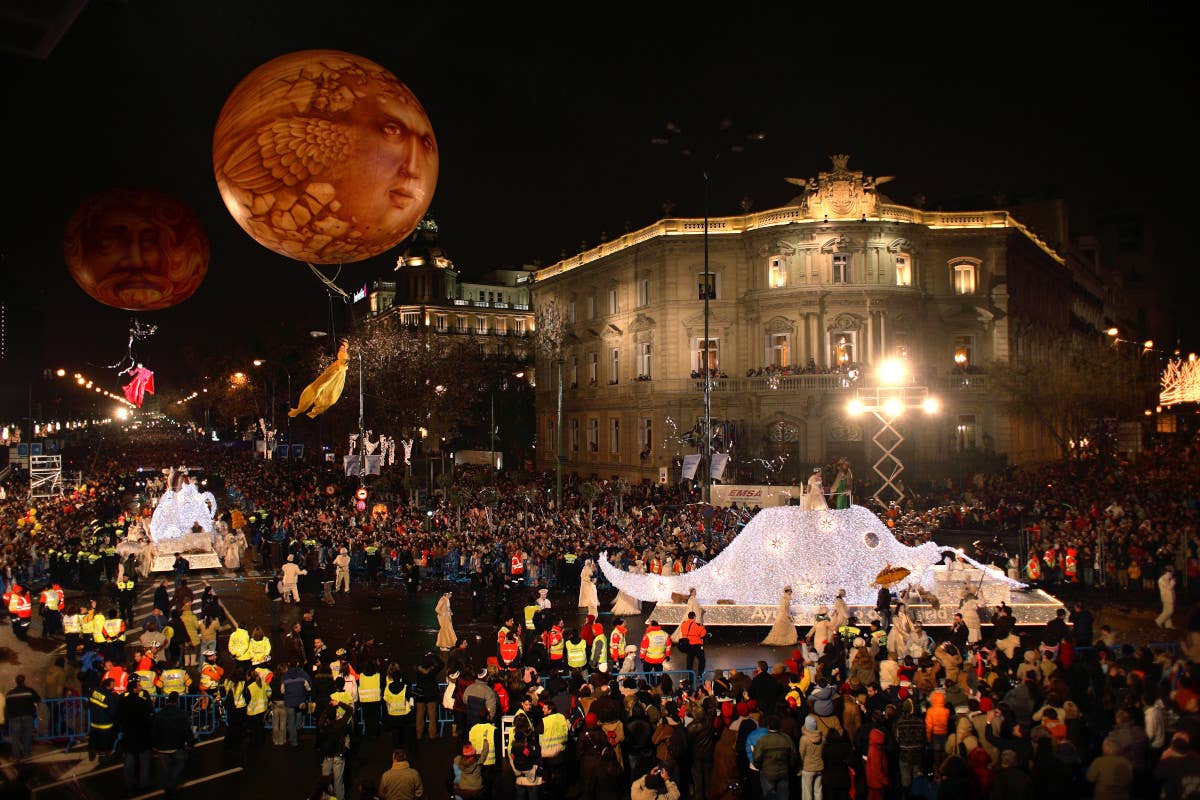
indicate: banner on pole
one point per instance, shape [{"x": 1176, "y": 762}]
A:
[
  {"x": 717, "y": 468},
  {"x": 690, "y": 464}
]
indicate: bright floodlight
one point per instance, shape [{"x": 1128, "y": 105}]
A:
[
  {"x": 1112, "y": 331},
  {"x": 122, "y": 413},
  {"x": 892, "y": 407},
  {"x": 1148, "y": 344},
  {"x": 258, "y": 362},
  {"x": 891, "y": 372},
  {"x": 931, "y": 405},
  {"x": 854, "y": 408},
  {"x": 61, "y": 373}
]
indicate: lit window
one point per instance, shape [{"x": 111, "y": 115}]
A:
[
  {"x": 903, "y": 271},
  {"x": 643, "y": 292},
  {"x": 411, "y": 318},
  {"x": 777, "y": 272},
  {"x": 571, "y": 312},
  {"x": 643, "y": 356},
  {"x": 964, "y": 279},
  {"x": 841, "y": 267},
  {"x": 593, "y": 368},
  {"x": 963, "y": 345},
  {"x": 646, "y": 437},
  {"x": 614, "y": 374},
  {"x": 614, "y": 436},
  {"x": 593, "y": 435},
  {"x": 713, "y": 355},
  {"x": 463, "y": 324},
  {"x": 591, "y": 306},
  {"x": 441, "y": 322},
  {"x": 481, "y": 325},
  {"x": 613, "y": 308},
  {"x": 520, "y": 327},
  {"x": 499, "y": 327},
  {"x": 777, "y": 349},
  {"x": 706, "y": 283}
]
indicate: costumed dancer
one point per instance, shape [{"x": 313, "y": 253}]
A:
[
  {"x": 841, "y": 613},
  {"x": 822, "y": 631},
  {"x": 783, "y": 632},
  {"x": 842, "y": 484}
]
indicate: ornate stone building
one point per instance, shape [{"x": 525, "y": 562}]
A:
[{"x": 805, "y": 300}]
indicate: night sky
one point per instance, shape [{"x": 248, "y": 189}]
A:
[{"x": 543, "y": 118}]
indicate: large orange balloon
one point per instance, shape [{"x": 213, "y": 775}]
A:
[
  {"x": 136, "y": 249},
  {"x": 325, "y": 157}
]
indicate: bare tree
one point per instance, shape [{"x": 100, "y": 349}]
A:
[{"x": 549, "y": 331}]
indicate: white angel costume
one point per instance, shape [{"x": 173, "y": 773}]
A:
[{"x": 181, "y": 508}]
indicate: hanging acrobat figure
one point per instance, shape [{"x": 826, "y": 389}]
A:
[
  {"x": 141, "y": 385},
  {"x": 321, "y": 394}
]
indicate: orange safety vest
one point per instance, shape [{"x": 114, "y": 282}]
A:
[
  {"x": 656, "y": 646},
  {"x": 19, "y": 604},
  {"x": 553, "y": 640},
  {"x": 1034, "y": 568},
  {"x": 120, "y": 679},
  {"x": 518, "y": 565},
  {"x": 692, "y": 631},
  {"x": 656, "y": 566},
  {"x": 509, "y": 651},
  {"x": 1069, "y": 563},
  {"x": 616, "y": 643}
]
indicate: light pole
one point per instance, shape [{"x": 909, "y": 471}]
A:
[
  {"x": 711, "y": 148},
  {"x": 892, "y": 395}
]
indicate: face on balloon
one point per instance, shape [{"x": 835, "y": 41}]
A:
[
  {"x": 136, "y": 249},
  {"x": 325, "y": 157}
]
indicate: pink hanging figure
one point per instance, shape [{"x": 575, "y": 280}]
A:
[{"x": 142, "y": 383}]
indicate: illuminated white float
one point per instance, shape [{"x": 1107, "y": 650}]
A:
[{"x": 818, "y": 553}]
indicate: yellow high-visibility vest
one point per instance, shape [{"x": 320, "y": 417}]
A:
[
  {"x": 576, "y": 654},
  {"x": 239, "y": 643},
  {"x": 397, "y": 702},
  {"x": 259, "y": 695},
  {"x": 259, "y": 650},
  {"x": 554, "y": 733},
  {"x": 146, "y": 679},
  {"x": 481, "y": 733},
  {"x": 98, "y": 628},
  {"x": 72, "y": 623},
  {"x": 369, "y": 688},
  {"x": 174, "y": 680}
]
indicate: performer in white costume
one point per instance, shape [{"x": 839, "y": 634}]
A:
[
  {"x": 814, "y": 498},
  {"x": 588, "y": 598},
  {"x": 783, "y": 632},
  {"x": 625, "y": 605}
]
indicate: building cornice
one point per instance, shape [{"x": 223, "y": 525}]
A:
[{"x": 795, "y": 215}]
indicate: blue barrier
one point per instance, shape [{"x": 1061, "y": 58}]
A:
[{"x": 62, "y": 719}]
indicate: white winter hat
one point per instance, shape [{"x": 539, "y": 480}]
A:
[{"x": 859, "y": 641}]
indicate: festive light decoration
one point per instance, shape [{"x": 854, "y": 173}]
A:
[
  {"x": 815, "y": 552},
  {"x": 181, "y": 508},
  {"x": 1180, "y": 382}
]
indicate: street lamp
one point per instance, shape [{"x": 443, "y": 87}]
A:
[
  {"x": 888, "y": 401},
  {"x": 710, "y": 147}
]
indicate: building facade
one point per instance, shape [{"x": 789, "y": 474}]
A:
[
  {"x": 804, "y": 302},
  {"x": 425, "y": 291}
]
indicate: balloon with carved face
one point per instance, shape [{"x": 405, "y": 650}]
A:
[
  {"x": 325, "y": 157},
  {"x": 136, "y": 249}
]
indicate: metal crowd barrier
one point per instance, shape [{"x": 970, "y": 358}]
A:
[{"x": 62, "y": 719}]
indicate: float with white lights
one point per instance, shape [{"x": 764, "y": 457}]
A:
[{"x": 818, "y": 553}]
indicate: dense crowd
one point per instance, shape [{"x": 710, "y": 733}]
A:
[{"x": 562, "y": 708}]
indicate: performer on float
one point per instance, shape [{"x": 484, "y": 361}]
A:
[
  {"x": 821, "y": 632},
  {"x": 783, "y": 632},
  {"x": 841, "y": 612},
  {"x": 814, "y": 498},
  {"x": 842, "y": 485}
]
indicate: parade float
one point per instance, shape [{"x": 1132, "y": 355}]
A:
[
  {"x": 819, "y": 553},
  {"x": 182, "y": 522}
]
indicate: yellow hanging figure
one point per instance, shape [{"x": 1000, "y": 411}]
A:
[{"x": 327, "y": 388}]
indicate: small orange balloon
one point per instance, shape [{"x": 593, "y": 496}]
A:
[
  {"x": 136, "y": 249},
  {"x": 325, "y": 157}
]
